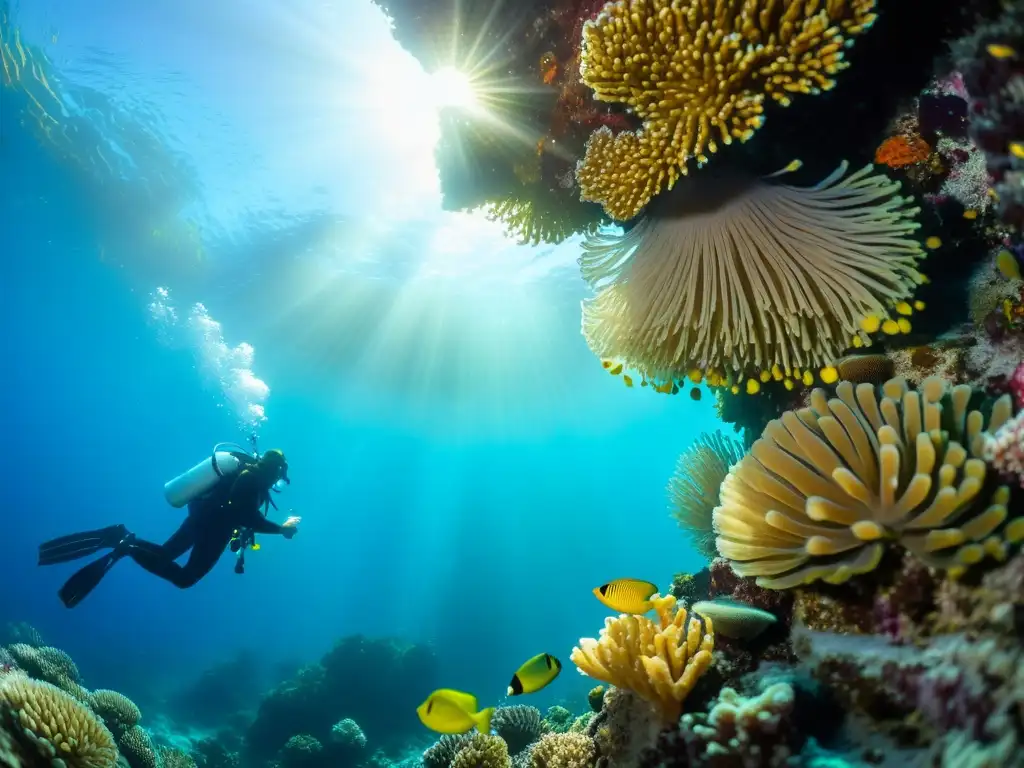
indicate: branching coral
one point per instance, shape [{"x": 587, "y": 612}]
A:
[
  {"x": 826, "y": 487},
  {"x": 756, "y": 279},
  {"x": 543, "y": 216},
  {"x": 697, "y": 73},
  {"x": 55, "y": 721},
  {"x": 660, "y": 661},
  {"x": 563, "y": 750},
  {"x": 694, "y": 487},
  {"x": 750, "y": 732}
]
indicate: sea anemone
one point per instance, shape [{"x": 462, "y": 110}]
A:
[
  {"x": 754, "y": 278},
  {"x": 697, "y": 74},
  {"x": 826, "y": 488}
]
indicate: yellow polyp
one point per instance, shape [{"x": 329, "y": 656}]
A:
[
  {"x": 753, "y": 386},
  {"x": 796, "y": 373},
  {"x": 922, "y": 279},
  {"x": 788, "y": 384},
  {"x": 903, "y": 308},
  {"x": 933, "y": 242},
  {"x": 1000, "y": 51},
  {"x": 904, "y": 325},
  {"x": 807, "y": 378},
  {"x": 765, "y": 376},
  {"x": 871, "y": 323},
  {"x": 993, "y": 194},
  {"x": 734, "y": 389},
  {"x": 829, "y": 375},
  {"x": 1017, "y": 149},
  {"x": 867, "y": 530},
  {"x": 777, "y": 373},
  {"x": 858, "y": 341},
  {"x": 970, "y": 214},
  {"x": 695, "y": 376},
  {"x": 956, "y": 572},
  {"x": 919, "y": 305},
  {"x": 995, "y": 548},
  {"x": 1014, "y": 532},
  {"x": 890, "y": 327},
  {"x": 971, "y": 554}
]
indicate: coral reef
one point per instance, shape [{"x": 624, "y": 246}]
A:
[
  {"x": 320, "y": 694},
  {"x": 660, "y": 661},
  {"x": 482, "y": 751},
  {"x": 57, "y": 724}
]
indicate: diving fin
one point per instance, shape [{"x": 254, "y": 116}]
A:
[
  {"x": 84, "y": 581},
  {"x": 78, "y": 545}
]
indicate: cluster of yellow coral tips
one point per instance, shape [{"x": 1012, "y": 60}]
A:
[{"x": 697, "y": 72}]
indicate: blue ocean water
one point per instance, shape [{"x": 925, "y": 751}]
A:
[{"x": 465, "y": 470}]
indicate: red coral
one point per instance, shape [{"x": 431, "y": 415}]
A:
[{"x": 899, "y": 151}]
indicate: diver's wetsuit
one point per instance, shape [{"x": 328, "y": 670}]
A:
[
  {"x": 207, "y": 530},
  {"x": 234, "y": 503}
]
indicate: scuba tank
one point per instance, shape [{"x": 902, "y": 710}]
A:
[{"x": 201, "y": 478}]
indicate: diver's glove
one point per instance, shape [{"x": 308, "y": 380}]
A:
[{"x": 290, "y": 526}]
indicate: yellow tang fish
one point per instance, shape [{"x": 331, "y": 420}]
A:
[
  {"x": 1007, "y": 264},
  {"x": 535, "y": 674},
  {"x": 449, "y": 711},
  {"x": 626, "y": 595}
]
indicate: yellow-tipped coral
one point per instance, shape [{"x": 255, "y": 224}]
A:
[
  {"x": 697, "y": 73},
  {"x": 825, "y": 488},
  {"x": 693, "y": 489},
  {"x": 57, "y": 723},
  {"x": 750, "y": 275},
  {"x": 659, "y": 661}
]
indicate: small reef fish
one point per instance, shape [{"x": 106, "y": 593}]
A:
[
  {"x": 626, "y": 595},
  {"x": 612, "y": 367},
  {"x": 1000, "y": 51},
  {"x": 535, "y": 674},
  {"x": 450, "y": 711},
  {"x": 1008, "y": 265},
  {"x": 695, "y": 394},
  {"x": 628, "y": 380}
]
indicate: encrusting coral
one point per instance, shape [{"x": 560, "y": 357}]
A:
[
  {"x": 659, "y": 661},
  {"x": 693, "y": 489},
  {"x": 697, "y": 73},
  {"x": 755, "y": 279},
  {"x": 826, "y": 487},
  {"x": 57, "y": 723}
]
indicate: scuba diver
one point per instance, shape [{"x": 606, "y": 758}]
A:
[{"x": 226, "y": 493}]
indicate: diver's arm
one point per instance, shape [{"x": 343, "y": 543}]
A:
[{"x": 246, "y": 499}]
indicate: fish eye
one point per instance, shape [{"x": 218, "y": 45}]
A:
[
  {"x": 604, "y": 589},
  {"x": 430, "y": 706}
]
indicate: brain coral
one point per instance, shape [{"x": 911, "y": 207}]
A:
[{"x": 825, "y": 488}]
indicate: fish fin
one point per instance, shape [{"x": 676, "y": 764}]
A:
[{"x": 483, "y": 720}]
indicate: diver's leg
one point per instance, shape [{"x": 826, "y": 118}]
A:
[
  {"x": 208, "y": 547},
  {"x": 77, "y": 545},
  {"x": 85, "y": 580},
  {"x": 181, "y": 539}
]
